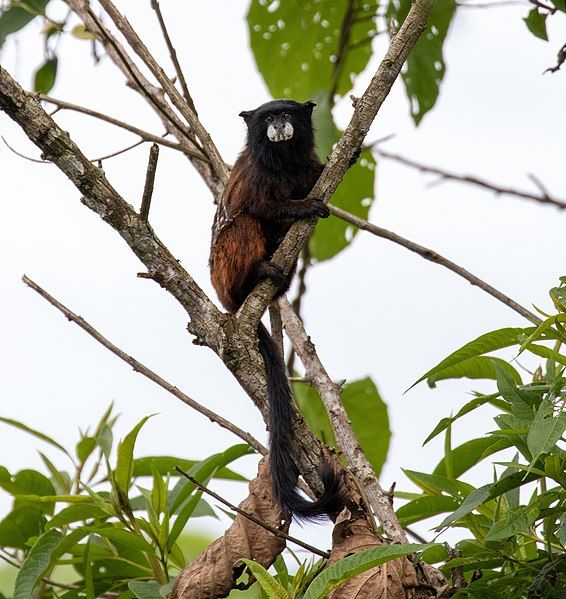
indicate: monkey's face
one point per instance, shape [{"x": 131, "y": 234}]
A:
[
  {"x": 279, "y": 127},
  {"x": 280, "y": 121}
]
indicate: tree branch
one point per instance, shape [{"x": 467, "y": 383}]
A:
[
  {"x": 149, "y": 182},
  {"x": 178, "y": 101},
  {"x": 433, "y": 256},
  {"x": 543, "y": 198},
  {"x": 144, "y": 370},
  {"x": 137, "y": 81},
  {"x": 145, "y": 135}
]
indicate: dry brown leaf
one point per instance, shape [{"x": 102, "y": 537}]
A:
[
  {"x": 397, "y": 579},
  {"x": 214, "y": 572}
]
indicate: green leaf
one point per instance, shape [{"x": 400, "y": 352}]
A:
[
  {"x": 45, "y": 76},
  {"x": 267, "y": 582},
  {"x": 18, "y": 15},
  {"x": 425, "y": 68},
  {"x": 34, "y": 433},
  {"x": 85, "y": 447},
  {"x": 36, "y": 563},
  {"x": 158, "y": 493},
  {"x": 304, "y": 38},
  {"x": 482, "y": 345},
  {"x": 536, "y": 23},
  {"x": 547, "y": 352},
  {"x": 124, "y": 464},
  {"x": 370, "y": 422},
  {"x": 135, "y": 541},
  {"x": 89, "y": 586},
  {"x": 201, "y": 471},
  {"x": 513, "y": 522},
  {"x": 546, "y": 430},
  {"x": 104, "y": 438},
  {"x": 145, "y": 590},
  {"x": 472, "y": 405},
  {"x": 76, "y": 513},
  {"x": 425, "y": 507},
  {"x": 509, "y": 390},
  {"x": 433, "y": 484},
  {"x": 479, "y": 367},
  {"x": 472, "y": 501},
  {"x": 352, "y": 565},
  {"x": 560, "y": 5},
  {"x": 470, "y": 453},
  {"x": 60, "y": 479},
  {"x": 165, "y": 465},
  {"x": 312, "y": 408},
  {"x": 22, "y": 523}
]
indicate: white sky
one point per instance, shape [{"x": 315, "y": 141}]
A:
[{"x": 374, "y": 310}]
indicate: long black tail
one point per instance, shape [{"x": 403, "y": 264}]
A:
[{"x": 284, "y": 473}]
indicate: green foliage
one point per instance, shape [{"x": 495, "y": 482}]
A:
[
  {"x": 516, "y": 520},
  {"x": 117, "y": 534},
  {"x": 425, "y": 67},
  {"x": 536, "y": 22}
]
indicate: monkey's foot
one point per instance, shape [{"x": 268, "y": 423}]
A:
[{"x": 316, "y": 207}]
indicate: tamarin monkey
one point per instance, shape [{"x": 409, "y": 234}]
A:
[{"x": 267, "y": 191}]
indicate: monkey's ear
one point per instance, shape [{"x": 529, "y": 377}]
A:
[
  {"x": 246, "y": 114},
  {"x": 309, "y": 105}
]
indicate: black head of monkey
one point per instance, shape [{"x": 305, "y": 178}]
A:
[{"x": 280, "y": 129}]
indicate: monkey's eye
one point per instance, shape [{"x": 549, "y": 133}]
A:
[
  {"x": 269, "y": 119},
  {"x": 286, "y": 116}
]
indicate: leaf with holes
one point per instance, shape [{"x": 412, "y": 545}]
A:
[
  {"x": 319, "y": 47},
  {"x": 425, "y": 67}
]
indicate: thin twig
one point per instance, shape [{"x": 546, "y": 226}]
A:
[
  {"x": 234, "y": 508},
  {"x": 498, "y": 189},
  {"x": 433, "y": 256},
  {"x": 173, "y": 55},
  {"x": 37, "y": 160},
  {"x": 297, "y": 301},
  {"x": 145, "y": 135},
  {"x": 118, "y": 152},
  {"x": 149, "y": 182},
  {"x": 144, "y": 370},
  {"x": 208, "y": 147},
  {"x": 415, "y": 535}
]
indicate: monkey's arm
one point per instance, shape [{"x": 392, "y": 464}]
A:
[{"x": 279, "y": 210}]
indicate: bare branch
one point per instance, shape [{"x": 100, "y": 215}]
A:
[
  {"x": 173, "y": 55},
  {"x": 137, "y": 81},
  {"x": 435, "y": 257},
  {"x": 145, "y": 135},
  {"x": 144, "y": 370},
  {"x": 345, "y": 438},
  {"x": 498, "y": 189},
  {"x": 178, "y": 101},
  {"x": 149, "y": 182},
  {"x": 271, "y": 529}
]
